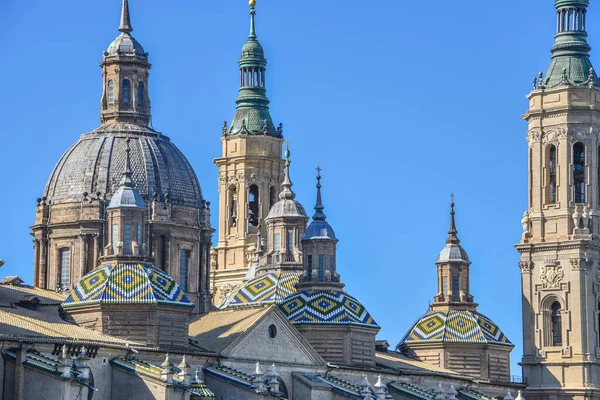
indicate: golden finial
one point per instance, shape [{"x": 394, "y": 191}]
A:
[{"x": 252, "y": 3}]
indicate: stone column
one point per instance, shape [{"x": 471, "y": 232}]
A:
[
  {"x": 82, "y": 255},
  {"x": 44, "y": 263},
  {"x": 36, "y": 263},
  {"x": 96, "y": 249}
]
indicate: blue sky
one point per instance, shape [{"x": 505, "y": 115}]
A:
[{"x": 399, "y": 104}]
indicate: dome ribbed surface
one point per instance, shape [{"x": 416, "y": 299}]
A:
[
  {"x": 95, "y": 163},
  {"x": 125, "y": 45}
]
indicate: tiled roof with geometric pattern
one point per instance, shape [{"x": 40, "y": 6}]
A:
[
  {"x": 455, "y": 327},
  {"x": 126, "y": 283},
  {"x": 326, "y": 307},
  {"x": 270, "y": 288}
]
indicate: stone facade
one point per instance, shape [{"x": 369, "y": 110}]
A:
[
  {"x": 71, "y": 228},
  {"x": 560, "y": 246}
]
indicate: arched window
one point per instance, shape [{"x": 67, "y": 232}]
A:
[
  {"x": 64, "y": 263},
  {"x": 127, "y": 238},
  {"x": 579, "y": 173},
  {"x": 551, "y": 171},
  {"x": 184, "y": 267},
  {"x": 111, "y": 92},
  {"x": 309, "y": 268},
  {"x": 321, "y": 268},
  {"x": 556, "y": 324},
  {"x": 140, "y": 94},
  {"x": 455, "y": 287},
  {"x": 272, "y": 197},
  {"x": 253, "y": 205},
  {"x": 232, "y": 207},
  {"x": 126, "y": 91},
  {"x": 289, "y": 245}
]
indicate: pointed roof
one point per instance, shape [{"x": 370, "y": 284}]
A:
[
  {"x": 127, "y": 195},
  {"x": 125, "y": 44},
  {"x": 252, "y": 114},
  {"x": 571, "y": 52},
  {"x": 319, "y": 228},
  {"x": 287, "y": 206},
  {"x": 453, "y": 251},
  {"x": 125, "y": 18}
]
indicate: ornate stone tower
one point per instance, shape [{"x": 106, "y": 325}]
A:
[
  {"x": 336, "y": 324},
  {"x": 560, "y": 246},
  {"x": 72, "y": 231},
  {"x": 453, "y": 334},
  {"x": 250, "y": 170},
  {"x": 127, "y": 296}
]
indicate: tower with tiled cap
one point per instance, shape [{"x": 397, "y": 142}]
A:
[
  {"x": 126, "y": 296},
  {"x": 278, "y": 259},
  {"x": 453, "y": 334},
  {"x": 250, "y": 169},
  {"x": 560, "y": 246},
  {"x": 337, "y": 325},
  {"x": 71, "y": 230}
]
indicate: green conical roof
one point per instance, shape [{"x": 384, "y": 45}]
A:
[
  {"x": 571, "y": 52},
  {"x": 252, "y": 115}
]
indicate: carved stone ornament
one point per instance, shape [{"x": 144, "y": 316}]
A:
[
  {"x": 552, "y": 275},
  {"x": 534, "y": 136},
  {"x": 553, "y": 136},
  {"x": 588, "y": 138},
  {"x": 526, "y": 266}
]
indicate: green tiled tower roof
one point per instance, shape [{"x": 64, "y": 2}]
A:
[
  {"x": 252, "y": 115},
  {"x": 571, "y": 52}
]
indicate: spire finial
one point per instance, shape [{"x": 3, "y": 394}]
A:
[
  {"x": 125, "y": 18},
  {"x": 286, "y": 192},
  {"x": 319, "y": 214},
  {"x": 126, "y": 180},
  {"x": 452, "y": 232},
  {"x": 252, "y": 4}
]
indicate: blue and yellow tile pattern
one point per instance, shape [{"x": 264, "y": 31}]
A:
[
  {"x": 126, "y": 283},
  {"x": 455, "y": 327},
  {"x": 270, "y": 288},
  {"x": 326, "y": 307}
]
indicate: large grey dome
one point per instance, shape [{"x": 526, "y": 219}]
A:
[{"x": 96, "y": 161}]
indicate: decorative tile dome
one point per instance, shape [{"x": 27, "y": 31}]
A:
[
  {"x": 455, "y": 327},
  {"x": 270, "y": 288},
  {"x": 326, "y": 307},
  {"x": 126, "y": 283},
  {"x": 96, "y": 161}
]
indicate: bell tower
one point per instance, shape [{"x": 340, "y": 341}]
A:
[
  {"x": 250, "y": 170},
  {"x": 560, "y": 246}
]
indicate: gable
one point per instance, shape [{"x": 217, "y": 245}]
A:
[{"x": 287, "y": 346}]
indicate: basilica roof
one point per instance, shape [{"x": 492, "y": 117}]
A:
[
  {"x": 126, "y": 283},
  {"x": 270, "y": 288},
  {"x": 326, "y": 307},
  {"x": 96, "y": 161},
  {"x": 125, "y": 45},
  {"x": 455, "y": 327}
]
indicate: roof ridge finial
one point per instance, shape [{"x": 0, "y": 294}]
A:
[
  {"x": 452, "y": 232},
  {"x": 125, "y": 18},
  {"x": 286, "y": 192},
  {"x": 252, "y": 4},
  {"x": 319, "y": 214}
]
